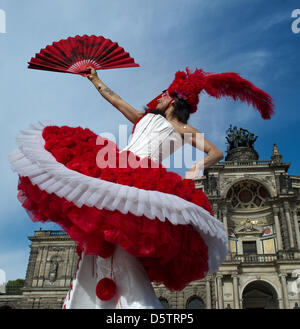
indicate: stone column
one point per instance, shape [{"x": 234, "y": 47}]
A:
[
  {"x": 277, "y": 227},
  {"x": 219, "y": 214},
  {"x": 69, "y": 263},
  {"x": 215, "y": 209},
  {"x": 31, "y": 266},
  {"x": 220, "y": 291},
  {"x": 289, "y": 224},
  {"x": 284, "y": 290},
  {"x": 296, "y": 228},
  {"x": 236, "y": 291},
  {"x": 225, "y": 224},
  {"x": 43, "y": 263},
  {"x": 208, "y": 294}
]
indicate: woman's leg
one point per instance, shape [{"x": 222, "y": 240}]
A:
[{"x": 134, "y": 290}]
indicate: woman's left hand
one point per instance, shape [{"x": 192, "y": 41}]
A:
[{"x": 192, "y": 173}]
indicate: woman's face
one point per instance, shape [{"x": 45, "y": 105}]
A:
[{"x": 164, "y": 101}]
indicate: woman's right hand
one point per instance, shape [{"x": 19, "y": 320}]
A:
[{"x": 93, "y": 75}]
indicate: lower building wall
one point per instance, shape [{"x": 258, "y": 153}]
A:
[{"x": 255, "y": 290}]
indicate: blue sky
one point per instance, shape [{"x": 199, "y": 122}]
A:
[{"x": 251, "y": 37}]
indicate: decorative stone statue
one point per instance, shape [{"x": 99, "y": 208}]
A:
[
  {"x": 230, "y": 138},
  {"x": 240, "y": 145},
  {"x": 239, "y": 138},
  {"x": 53, "y": 271},
  {"x": 243, "y": 140},
  {"x": 252, "y": 139}
]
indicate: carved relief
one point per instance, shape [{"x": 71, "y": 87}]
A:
[
  {"x": 248, "y": 228},
  {"x": 54, "y": 264}
]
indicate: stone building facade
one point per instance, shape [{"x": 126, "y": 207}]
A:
[
  {"x": 259, "y": 204},
  {"x": 52, "y": 264}
]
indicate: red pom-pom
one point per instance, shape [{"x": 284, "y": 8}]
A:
[{"x": 106, "y": 289}]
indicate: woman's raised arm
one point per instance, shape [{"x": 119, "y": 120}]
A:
[
  {"x": 214, "y": 154},
  {"x": 127, "y": 110}
]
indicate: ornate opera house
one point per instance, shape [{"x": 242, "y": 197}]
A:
[{"x": 259, "y": 204}]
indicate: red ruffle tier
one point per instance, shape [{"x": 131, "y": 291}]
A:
[{"x": 171, "y": 254}]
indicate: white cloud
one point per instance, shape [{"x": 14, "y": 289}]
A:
[{"x": 270, "y": 21}]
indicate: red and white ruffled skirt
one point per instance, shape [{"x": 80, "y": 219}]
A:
[{"x": 146, "y": 213}]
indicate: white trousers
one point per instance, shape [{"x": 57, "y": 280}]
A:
[{"x": 134, "y": 290}]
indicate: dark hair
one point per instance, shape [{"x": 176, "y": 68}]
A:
[{"x": 181, "y": 110}]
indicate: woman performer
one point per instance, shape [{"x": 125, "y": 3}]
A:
[{"x": 135, "y": 223}]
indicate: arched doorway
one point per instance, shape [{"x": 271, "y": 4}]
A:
[
  {"x": 5, "y": 307},
  {"x": 164, "y": 302},
  {"x": 260, "y": 295},
  {"x": 195, "y": 302}
]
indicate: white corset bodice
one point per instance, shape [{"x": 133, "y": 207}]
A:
[{"x": 154, "y": 137}]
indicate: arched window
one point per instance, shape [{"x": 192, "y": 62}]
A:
[
  {"x": 164, "y": 302},
  {"x": 247, "y": 195},
  {"x": 195, "y": 302}
]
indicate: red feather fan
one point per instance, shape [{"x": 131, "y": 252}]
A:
[{"x": 76, "y": 54}]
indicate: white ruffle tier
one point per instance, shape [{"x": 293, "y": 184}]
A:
[{"x": 40, "y": 166}]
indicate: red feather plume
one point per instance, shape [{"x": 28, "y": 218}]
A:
[{"x": 233, "y": 85}]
